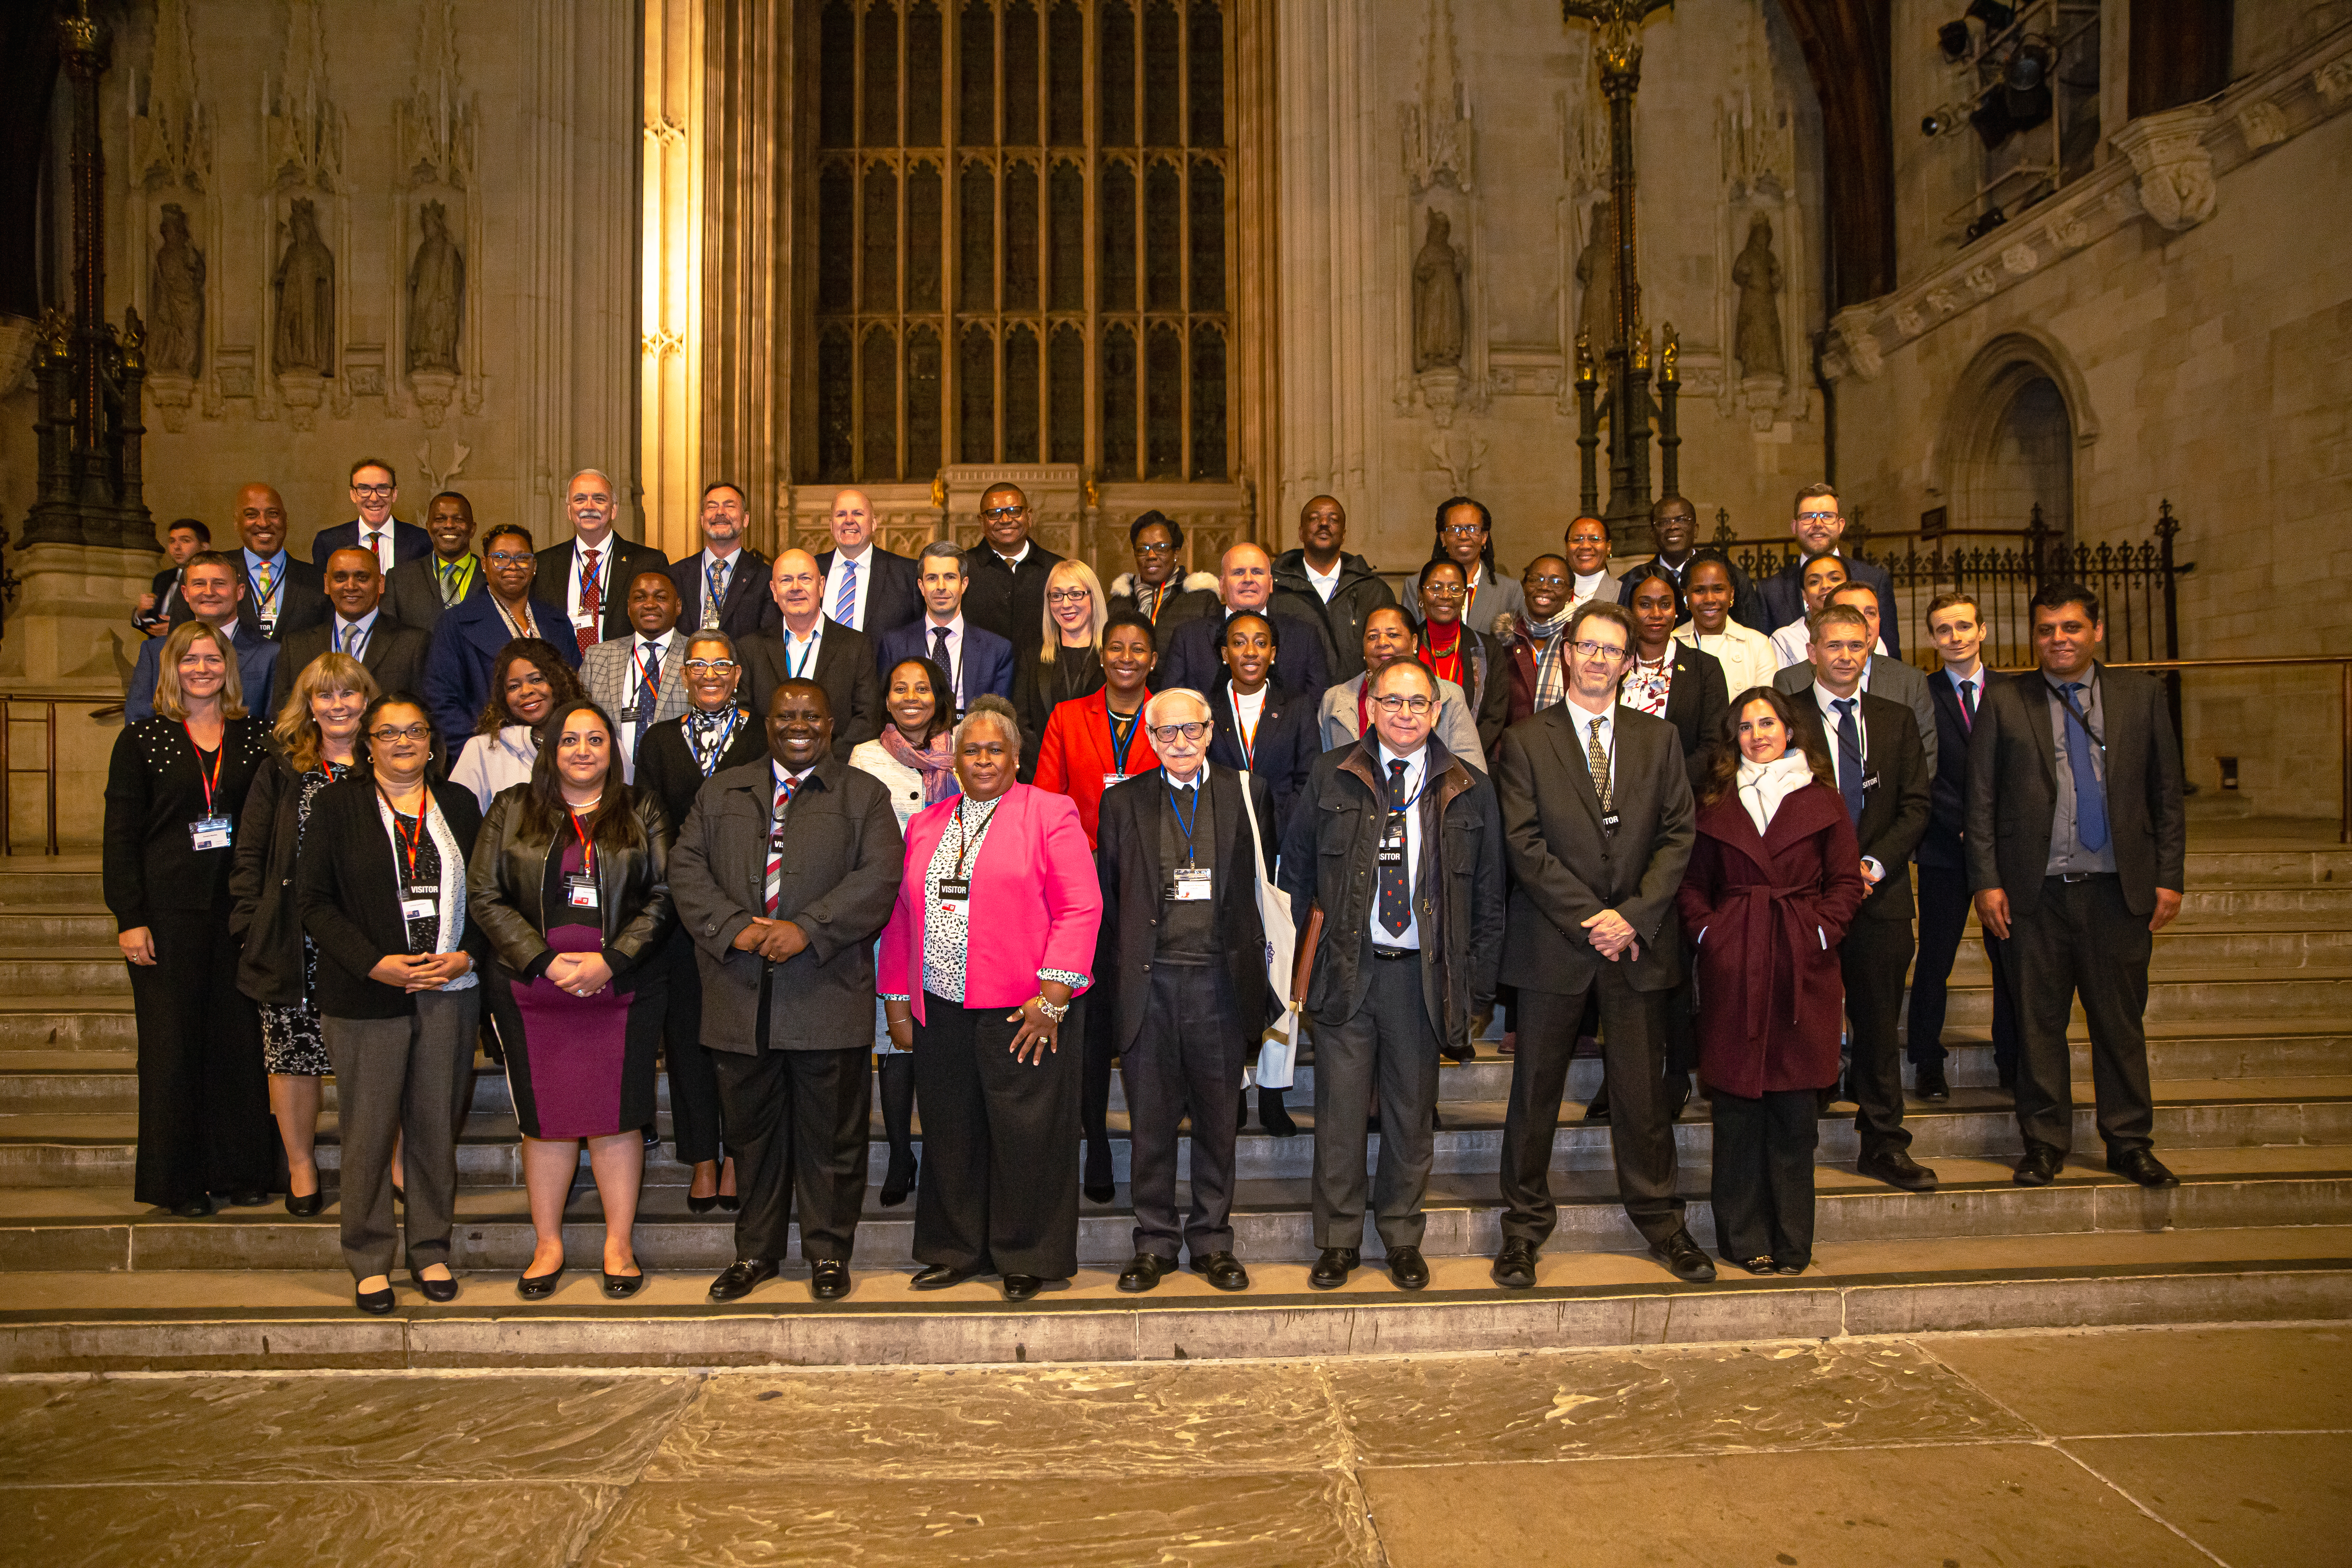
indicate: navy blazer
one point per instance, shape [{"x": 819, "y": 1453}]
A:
[
  {"x": 466, "y": 645},
  {"x": 1289, "y": 739},
  {"x": 408, "y": 542},
  {"x": 1189, "y": 657},
  {"x": 987, "y": 658},
  {"x": 1784, "y": 598},
  {"x": 302, "y": 600},
  {"x": 750, "y": 610},
  {"x": 1948, "y": 813},
  {"x": 894, "y": 593}
]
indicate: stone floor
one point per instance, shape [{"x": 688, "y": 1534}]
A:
[{"x": 2147, "y": 1447}]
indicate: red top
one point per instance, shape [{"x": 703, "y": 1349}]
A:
[{"x": 1076, "y": 754}]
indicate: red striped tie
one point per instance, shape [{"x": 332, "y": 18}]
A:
[
  {"x": 773, "y": 884},
  {"x": 592, "y": 601}
]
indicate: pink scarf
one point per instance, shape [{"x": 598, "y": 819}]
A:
[{"x": 935, "y": 763}]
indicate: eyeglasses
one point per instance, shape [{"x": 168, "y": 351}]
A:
[
  {"x": 509, "y": 558},
  {"x": 1404, "y": 704},
  {"x": 387, "y": 735},
  {"x": 1462, "y": 530},
  {"x": 1817, "y": 517},
  {"x": 710, "y": 666},
  {"x": 1590, "y": 649},
  {"x": 373, "y": 492},
  {"x": 1191, "y": 729},
  {"x": 1547, "y": 581},
  {"x": 1004, "y": 512},
  {"x": 1066, "y": 595},
  {"x": 1443, "y": 591},
  {"x": 1145, "y": 549}
]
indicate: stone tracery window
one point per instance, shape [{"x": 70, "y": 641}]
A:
[{"x": 1021, "y": 231}]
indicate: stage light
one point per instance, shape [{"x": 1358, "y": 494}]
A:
[
  {"x": 1993, "y": 14},
  {"x": 1953, "y": 37},
  {"x": 1986, "y": 222},
  {"x": 1991, "y": 121},
  {"x": 2025, "y": 83}
]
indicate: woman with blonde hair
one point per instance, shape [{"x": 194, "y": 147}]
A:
[
  {"x": 174, "y": 788},
  {"x": 318, "y": 736},
  {"x": 1066, "y": 663}
]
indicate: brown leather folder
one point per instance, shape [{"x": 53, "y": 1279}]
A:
[{"x": 1302, "y": 969}]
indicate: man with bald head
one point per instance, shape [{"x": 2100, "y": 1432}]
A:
[
  {"x": 282, "y": 595},
  {"x": 723, "y": 586},
  {"x": 1007, "y": 572},
  {"x": 1244, "y": 581},
  {"x": 392, "y": 653},
  {"x": 809, "y": 645},
  {"x": 866, "y": 588},
  {"x": 596, "y": 566},
  {"x": 1324, "y": 585}
]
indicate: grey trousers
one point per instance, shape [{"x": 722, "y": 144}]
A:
[
  {"x": 1388, "y": 1049},
  {"x": 394, "y": 1076},
  {"x": 1189, "y": 1056}
]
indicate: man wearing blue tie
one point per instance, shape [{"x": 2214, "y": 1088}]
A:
[
  {"x": 977, "y": 661},
  {"x": 723, "y": 586},
  {"x": 866, "y": 588}
]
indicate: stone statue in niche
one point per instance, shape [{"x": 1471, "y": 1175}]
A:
[
  {"x": 176, "y": 300},
  {"x": 1596, "y": 281},
  {"x": 436, "y": 295},
  {"x": 1437, "y": 298},
  {"x": 305, "y": 285},
  {"x": 1756, "y": 334}
]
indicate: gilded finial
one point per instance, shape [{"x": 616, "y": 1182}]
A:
[
  {"x": 1087, "y": 488},
  {"x": 1583, "y": 356},
  {"x": 940, "y": 489},
  {"x": 1666, "y": 357}
]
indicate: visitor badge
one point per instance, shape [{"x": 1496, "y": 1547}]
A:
[
  {"x": 1191, "y": 885},
  {"x": 955, "y": 890},
  {"x": 580, "y": 890},
  {"x": 417, "y": 909},
  {"x": 628, "y": 715},
  {"x": 1110, "y": 779},
  {"x": 1610, "y": 822},
  {"x": 1392, "y": 840},
  {"x": 211, "y": 831}
]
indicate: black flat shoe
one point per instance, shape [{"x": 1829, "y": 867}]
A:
[
  {"x": 1407, "y": 1269},
  {"x": 1274, "y": 1115},
  {"x": 897, "y": 1183},
  {"x": 194, "y": 1208},
  {"x": 1223, "y": 1270},
  {"x": 1143, "y": 1274},
  {"x": 1514, "y": 1266},
  {"x": 1753, "y": 1265},
  {"x": 435, "y": 1290},
  {"x": 621, "y": 1286},
  {"x": 741, "y": 1277},
  {"x": 1896, "y": 1169},
  {"x": 1598, "y": 1110},
  {"x": 1101, "y": 1186},
  {"x": 1332, "y": 1268},
  {"x": 1791, "y": 1266},
  {"x": 374, "y": 1303},
  {"x": 829, "y": 1279},
  {"x": 1683, "y": 1259},
  {"x": 307, "y": 1205},
  {"x": 538, "y": 1286},
  {"x": 939, "y": 1277},
  {"x": 1022, "y": 1286},
  {"x": 1928, "y": 1083}
]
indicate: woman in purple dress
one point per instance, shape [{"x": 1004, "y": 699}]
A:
[{"x": 570, "y": 879}]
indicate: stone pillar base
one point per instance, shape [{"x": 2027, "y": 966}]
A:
[{"x": 68, "y": 647}]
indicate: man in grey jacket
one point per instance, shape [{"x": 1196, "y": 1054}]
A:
[
  {"x": 1886, "y": 677},
  {"x": 1325, "y": 586},
  {"x": 783, "y": 874}
]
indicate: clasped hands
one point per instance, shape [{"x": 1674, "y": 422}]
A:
[
  {"x": 420, "y": 970},
  {"x": 774, "y": 940},
  {"x": 1613, "y": 936}
]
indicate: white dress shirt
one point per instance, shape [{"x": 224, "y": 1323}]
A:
[
  {"x": 1324, "y": 585},
  {"x": 1416, "y": 772},
  {"x": 1584, "y": 719},
  {"x": 582, "y": 552},
  {"x": 1971, "y": 703},
  {"x": 858, "y": 590}
]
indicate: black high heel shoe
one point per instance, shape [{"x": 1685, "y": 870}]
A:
[
  {"x": 899, "y": 1181},
  {"x": 701, "y": 1206},
  {"x": 305, "y": 1206}
]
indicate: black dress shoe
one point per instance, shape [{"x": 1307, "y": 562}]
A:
[
  {"x": 741, "y": 1278},
  {"x": 435, "y": 1290},
  {"x": 374, "y": 1303},
  {"x": 1927, "y": 1083},
  {"x": 1407, "y": 1269},
  {"x": 1683, "y": 1259},
  {"x": 1759, "y": 1265},
  {"x": 899, "y": 1181},
  {"x": 2041, "y": 1166},
  {"x": 2142, "y": 1166},
  {"x": 1514, "y": 1266},
  {"x": 1022, "y": 1286},
  {"x": 1896, "y": 1168},
  {"x": 829, "y": 1279},
  {"x": 249, "y": 1198},
  {"x": 1142, "y": 1274},
  {"x": 621, "y": 1286},
  {"x": 307, "y": 1205},
  {"x": 194, "y": 1208},
  {"x": 939, "y": 1277},
  {"x": 1332, "y": 1266},
  {"x": 1598, "y": 1110},
  {"x": 1274, "y": 1115},
  {"x": 538, "y": 1286},
  {"x": 1223, "y": 1270}
]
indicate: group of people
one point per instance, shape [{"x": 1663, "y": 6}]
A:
[{"x": 794, "y": 830}]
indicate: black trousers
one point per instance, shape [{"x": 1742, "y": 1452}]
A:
[
  {"x": 798, "y": 1122},
  {"x": 1641, "y": 1134},
  {"x": 1187, "y": 1057},
  {"x": 1944, "y": 905},
  {"x": 1388, "y": 1051},
  {"x": 1092, "y": 1017},
  {"x": 999, "y": 1189},
  {"x": 694, "y": 1110},
  {"x": 1872, "y": 959},
  {"x": 203, "y": 1100},
  {"x": 1762, "y": 1189},
  {"x": 2081, "y": 940}
]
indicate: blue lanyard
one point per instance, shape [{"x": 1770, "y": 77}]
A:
[
  {"x": 1184, "y": 821},
  {"x": 1120, "y": 743},
  {"x": 707, "y": 760},
  {"x": 808, "y": 657}
]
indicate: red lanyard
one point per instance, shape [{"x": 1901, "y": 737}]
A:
[
  {"x": 649, "y": 684},
  {"x": 411, "y": 844},
  {"x": 587, "y": 849},
  {"x": 213, "y": 782}
]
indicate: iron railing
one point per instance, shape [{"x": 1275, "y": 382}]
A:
[{"x": 49, "y": 702}]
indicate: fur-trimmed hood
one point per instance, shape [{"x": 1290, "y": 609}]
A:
[{"x": 1123, "y": 585}]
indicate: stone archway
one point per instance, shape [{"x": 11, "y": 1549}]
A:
[{"x": 2016, "y": 435}]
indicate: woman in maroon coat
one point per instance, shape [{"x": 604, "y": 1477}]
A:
[{"x": 1774, "y": 878}]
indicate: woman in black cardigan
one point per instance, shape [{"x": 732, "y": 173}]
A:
[
  {"x": 571, "y": 882},
  {"x": 173, "y": 790},
  {"x": 381, "y": 885},
  {"x": 318, "y": 736}
]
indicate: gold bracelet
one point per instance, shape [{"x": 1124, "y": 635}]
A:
[{"x": 1052, "y": 1014}]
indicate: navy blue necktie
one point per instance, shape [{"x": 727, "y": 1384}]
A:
[
  {"x": 1849, "y": 757},
  {"x": 1396, "y": 880},
  {"x": 2090, "y": 795}
]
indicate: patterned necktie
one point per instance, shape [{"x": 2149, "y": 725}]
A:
[
  {"x": 1396, "y": 877},
  {"x": 2090, "y": 795},
  {"x": 1849, "y": 757},
  {"x": 1596, "y": 758},
  {"x": 591, "y": 600},
  {"x": 844, "y": 601},
  {"x": 772, "y": 888},
  {"x": 375, "y": 548},
  {"x": 1968, "y": 705},
  {"x": 447, "y": 572},
  {"x": 265, "y": 574},
  {"x": 353, "y": 639},
  {"x": 940, "y": 657},
  {"x": 714, "y": 579}
]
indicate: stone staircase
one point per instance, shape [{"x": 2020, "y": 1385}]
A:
[{"x": 2250, "y": 1047}]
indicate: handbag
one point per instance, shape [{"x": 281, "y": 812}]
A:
[{"x": 1278, "y": 1046}]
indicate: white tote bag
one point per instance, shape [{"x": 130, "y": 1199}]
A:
[{"x": 1279, "y": 1052}]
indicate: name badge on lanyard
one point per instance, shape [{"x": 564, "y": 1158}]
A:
[
  {"x": 955, "y": 890},
  {"x": 1392, "y": 840},
  {"x": 211, "y": 831},
  {"x": 419, "y": 902},
  {"x": 1189, "y": 885},
  {"x": 1110, "y": 779},
  {"x": 215, "y": 829},
  {"x": 580, "y": 890}
]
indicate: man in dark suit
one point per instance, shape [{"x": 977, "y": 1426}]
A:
[
  {"x": 723, "y": 586},
  {"x": 281, "y": 595},
  {"x": 1887, "y": 676},
  {"x": 1819, "y": 525},
  {"x": 416, "y": 592},
  {"x": 814, "y": 647},
  {"x": 589, "y": 573},
  {"x": 375, "y": 487},
  {"x": 1189, "y": 656},
  {"x": 1008, "y": 571},
  {"x": 1598, "y": 823},
  {"x": 182, "y": 540},
  {"x": 1884, "y": 778},
  {"x": 1398, "y": 842},
  {"x": 214, "y": 593},
  {"x": 1674, "y": 521},
  {"x": 1959, "y": 690},
  {"x": 787, "y": 965},
  {"x": 1181, "y": 926},
  {"x": 466, "y": 642},
  {"x": 391, "y": 653},
  {"x": 977, "y": 661},
  {"x": 2076, "y": 841},
  {"x": 866, "y": 588}
]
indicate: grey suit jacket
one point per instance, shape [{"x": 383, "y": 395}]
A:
[
  {"x": 605, "y": 673},
  {"x": 1888, "y": 677},
  {"x": 1336, "y": 719}
]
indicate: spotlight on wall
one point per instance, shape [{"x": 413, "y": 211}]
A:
[
  {"x": 1991, "y": 120},
  {"x": 1986, "y": 222},
  {"x": 2025, "y": 82},
  {"x": 1993, "y": 14},
  {"x": 1953, "y": 38}
]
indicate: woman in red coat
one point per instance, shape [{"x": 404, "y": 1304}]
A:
[{"x": 1774, "y": 878}]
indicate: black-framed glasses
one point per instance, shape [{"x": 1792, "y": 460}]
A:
[
  {"x": 508, "y": 557},
  {"x": 710, "y": 666},
  {"x": 1191, "y": 730},
  {"x": 1393, "y": 704},
  {"x": 386, "y": 734},
  {"x": 1591, "y": 649},
  {"x": 1067, "y": 596},
  {"x": 373, "y": 492},
  {"x": 1818, "y": 516},
  {"x": 1462, "y": 530}
]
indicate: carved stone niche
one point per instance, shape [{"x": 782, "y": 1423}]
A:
[{"x": 2175, "y": 170}]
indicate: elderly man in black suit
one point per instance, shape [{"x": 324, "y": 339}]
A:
[
  {"x": 785, "y": 874},
  {"x": 1959, "y": 691},
  {"x": 723, "y": 586},
  {"x": 1818, "y": 526},
  {"x": 1884, "y": 778},
  {"x": 589, "y": 573},
  {"x": 1598, "y": 821},
  {"x": 812, "y": 644},
  {"x": 2076, "y": 843},
  {"x": 1187, "y": 944},
  {"x": 387, "y": 651},
  {"x": 866, "y": 588}
]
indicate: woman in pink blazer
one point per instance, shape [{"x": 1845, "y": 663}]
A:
[{"x": 993, "y": 935}]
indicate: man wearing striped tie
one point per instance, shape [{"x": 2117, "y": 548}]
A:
[
  {"x": 866, "y": 588},
  {"x": 723, "y": 586}
]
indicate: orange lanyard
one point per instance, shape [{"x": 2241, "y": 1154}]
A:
[
  {"x": 212, "y": 782},
  {"x": 587, "y": 848},
  {"x": 411, "y": 844}
]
